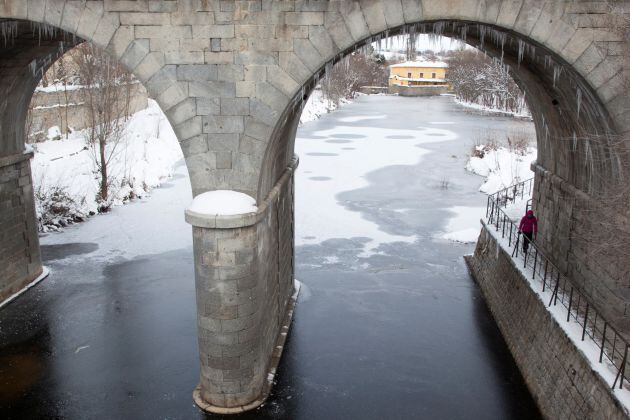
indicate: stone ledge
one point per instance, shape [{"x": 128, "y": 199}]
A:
[
  {"x": 271, "y": 372},
  {"x": 16, "y": 158},
  {"x": 247, "y": 219}
]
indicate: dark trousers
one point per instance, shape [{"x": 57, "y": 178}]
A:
[{"x": 527, "y": 237}]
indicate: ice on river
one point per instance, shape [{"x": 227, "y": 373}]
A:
[{"x": 328, "y": 168}]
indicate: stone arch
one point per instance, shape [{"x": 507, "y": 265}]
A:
[
  {"x": 572, "y": 86},
  {"x": 33, "y": 35},
  {"x": 575, "y": 87}
]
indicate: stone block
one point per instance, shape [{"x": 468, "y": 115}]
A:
[
  {"x": 189, "y": 128},
  {"x": 223, "y": 142},
  {"x": 375, "y": 15},
  {"x": 173, "y": 95},
  {"x": 208, "y": 106},
  {"x": 183, "y": 111},
  {"x": 293, "y": 65},
  {"x": 163, "y": 31},
  {"x": 230, "y": 72},
  {"x": 162, "y": 6},
  {"x": 255, "y": 31},
  {"x": 121, "y": 40},
  {"x": 126, "y": 5},
  {"x": 144, "y": 18},
  {"x": 271, "y": 96},
  {"x": 308, "y": 54},
  {"x": 323, "y": 43},
  {"x": 509, "y": 12},
  {"x": 338, "y": 31},
  {"x": 412, "y": 10},
  {"x": 256, "y": 58},
  {"x": 353, "y": 17},
  {"x": 213, "y": 31},
  {"x": 135, "y": 53},
  {"x": 197, "y": 72},
  {"x": 211, "y": 89},
  {"x": 282, "y": 81},
  {"x": 245, "y": 89},
  {"x": 234, "y": 106},
  {"x": 194, "y": 145},
  {"x": 224, "y": 57},
  {"x": 223, "y": 124},
  {"x": 304, "y": 18},
  {"x": 184, "y": 57}
]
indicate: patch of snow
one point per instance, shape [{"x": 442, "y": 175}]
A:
[
  {"x": 317, "y": 105},
  {"x": 501, "y": 167},
  {"x": 54, "y": 133},
  {"x": 223, "y": 203},
  {"x": 524, "y": 114},
  {"x": 464, "y": 225}
]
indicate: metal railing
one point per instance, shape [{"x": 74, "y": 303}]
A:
[{"x": 613, "y": 348}]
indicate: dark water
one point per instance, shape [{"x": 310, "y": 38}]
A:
[{"x": 401, "y": 334}]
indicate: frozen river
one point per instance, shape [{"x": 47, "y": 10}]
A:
[{"x": 389, "y": 324}]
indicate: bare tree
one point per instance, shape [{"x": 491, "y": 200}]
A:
[
  {"x": 355, "y": 70},
  {"x": 106, "y": 95},
  {"x": 478, "y": 79}
]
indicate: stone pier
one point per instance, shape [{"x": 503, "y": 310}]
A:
[
  {"x": 20, "y": 261},
  {"x": 245, "y": 298}
]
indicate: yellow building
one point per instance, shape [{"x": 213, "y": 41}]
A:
[{"x": 418, "y": 73}]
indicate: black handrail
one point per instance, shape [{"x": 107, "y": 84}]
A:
[{"x": 611, "y": 344}]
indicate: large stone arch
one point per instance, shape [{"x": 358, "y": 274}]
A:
[{"x": 230, "y": 76}]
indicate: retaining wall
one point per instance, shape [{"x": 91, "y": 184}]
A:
[{"x": 557, "y": 373}]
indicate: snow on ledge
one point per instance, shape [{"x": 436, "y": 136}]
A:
[{"x": 223, "y": 203}]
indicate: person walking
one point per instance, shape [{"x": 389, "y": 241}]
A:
[{"x": 529, "y": 228}]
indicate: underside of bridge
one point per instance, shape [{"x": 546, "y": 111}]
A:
[{"x": 232, "y": 77}]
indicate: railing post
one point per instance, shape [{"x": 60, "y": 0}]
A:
[
  {"x": 569, "y": 308},
  {"x": 585, "y": 321},
  {"x": 554, "y": 295},
  {"x": 601, "y": 351},
  {"x": 535, "y": 260},
  {"x": 622, "y": 369},
  {"x": 545, "y": 277},
  {"x": 503, "y": 230}
]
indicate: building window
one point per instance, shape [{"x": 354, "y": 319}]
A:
[
  {"x": 409, "y": 75},
  {"x": 433, "y": 75},
  {"x": 421, "y": 75}
]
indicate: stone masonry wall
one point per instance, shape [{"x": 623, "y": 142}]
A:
[
  {"x": 568, "y": 222},
  {"x": 20, "y": 261},
  {"x": 558, "y": 375}
]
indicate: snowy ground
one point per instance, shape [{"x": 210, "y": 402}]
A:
[
  {"x": 485, "y": 109},
  {"x": 317, "y": 105},
  {"x": 143, "y": 160},
  {"x": 502, "y": 167}
]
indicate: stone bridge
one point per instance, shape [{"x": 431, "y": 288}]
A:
[{"x": 232, "y": 77}]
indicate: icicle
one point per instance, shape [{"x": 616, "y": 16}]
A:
[
  {"x": 482, "y": 35},
  {"x": 521, "y": 50},
  {"x": 557, "y": 71},
  {"x": 574, "y": 144},
  {"x": 33, "y": 67},
  {"x": 579, "y": 101},
  {"x": 8, "y": 28}
]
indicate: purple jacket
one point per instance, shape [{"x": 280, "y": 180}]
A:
[{"x": 529, "y": 223}]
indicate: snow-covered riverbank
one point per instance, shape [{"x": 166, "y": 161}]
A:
[{"x": 66, "y": 181}]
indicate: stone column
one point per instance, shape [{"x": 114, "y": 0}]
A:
[
  {"x": 20, "y": 261},
  {"x": 245, "y": 298}
]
